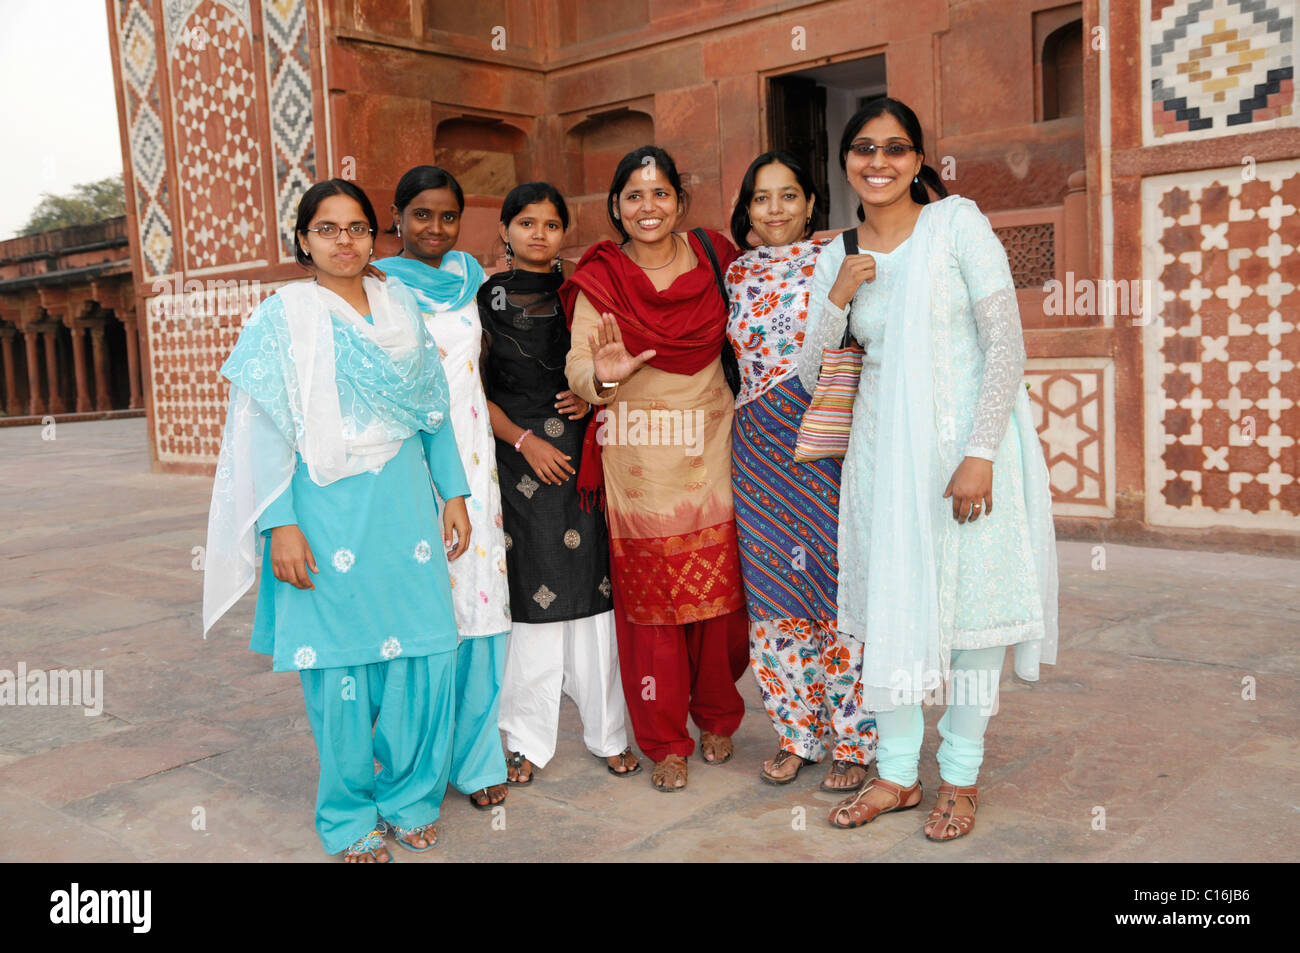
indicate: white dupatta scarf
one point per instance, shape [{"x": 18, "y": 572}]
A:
[{"x": 331, "y": 447}]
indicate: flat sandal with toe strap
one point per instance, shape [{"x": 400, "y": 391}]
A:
[
  {"x": 622, "y": 758},
  {"x": 961, "y": 823},
  {"x": 781, "y": 758},
  {"x": 487, "y": 793},
  {"x": 840, "y": 769},
  {"x": 848, "y": 805},
  {"x": 515, "y": 759},
  {"x": 374, "y": 841},
  {"x": 423, "y": 832}
]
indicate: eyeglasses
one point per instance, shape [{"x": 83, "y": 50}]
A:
[
  {"x": 328, "y": 230},
  {"x": 892, "y": 150}
]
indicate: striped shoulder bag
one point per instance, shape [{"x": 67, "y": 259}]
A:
[{"x": 824, "y": 430}]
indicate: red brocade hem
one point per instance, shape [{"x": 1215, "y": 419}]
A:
[{"x": 679, "y": 579}]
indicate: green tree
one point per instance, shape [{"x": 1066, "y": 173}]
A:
[{"x": 88, "y": 203}]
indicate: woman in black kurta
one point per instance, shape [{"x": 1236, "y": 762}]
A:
[{"x": 557, "y": 550}]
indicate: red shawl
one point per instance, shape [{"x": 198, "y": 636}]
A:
[{"x": 685, "y": 324}]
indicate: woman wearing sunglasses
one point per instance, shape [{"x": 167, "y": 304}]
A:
[{"x": 938, "y": 572}]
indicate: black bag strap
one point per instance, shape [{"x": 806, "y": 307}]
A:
[
  {"x": 850, "y": 238},
  {"x": 730, "y": 366},
  {"x": 703, "y": 238}
]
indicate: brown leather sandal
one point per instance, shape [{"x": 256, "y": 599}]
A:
[
  {"x": 840, "y": 769},
  {"x": 667, "y": 772},
  {"x": 720, "y": 745},
  {"x": 961, "y": 823},
  {"x": 782, "y": 756},
  {"x": 859, "y": 813}
]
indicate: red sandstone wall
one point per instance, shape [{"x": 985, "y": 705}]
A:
[{"x": 559, "y": 89}]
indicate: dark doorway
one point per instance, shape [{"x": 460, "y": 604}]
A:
[
  {"x": 807, "y": 111},
  {"x": 797, "y": 123},
  {"x": 119, "y": 383}
]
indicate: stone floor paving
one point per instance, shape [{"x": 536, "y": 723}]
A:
[{"x": 1138, "y": 746}]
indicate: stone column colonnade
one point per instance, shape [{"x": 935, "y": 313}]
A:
[{"x": 39, "y": 315}]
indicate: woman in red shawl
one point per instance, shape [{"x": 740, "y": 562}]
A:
[{"x": 648, "y": 327}]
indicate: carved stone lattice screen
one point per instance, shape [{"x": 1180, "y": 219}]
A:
[{"x": 1031, "y": 250}]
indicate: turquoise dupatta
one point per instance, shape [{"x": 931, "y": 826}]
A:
[
  {"x": 452, "y": 285},
  {"x": 311, "y": 377}
]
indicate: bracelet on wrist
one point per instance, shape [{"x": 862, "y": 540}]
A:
[{"x": 520, "y": 441}]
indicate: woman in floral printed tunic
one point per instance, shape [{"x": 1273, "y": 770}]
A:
[{"x": 786, "y": 511}]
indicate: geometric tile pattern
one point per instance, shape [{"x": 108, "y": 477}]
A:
[
  {"x": 1031, "y": 253},
  {"x": 218, "y": 153},
  {"x": 1073, "y": 401},
  {"x": 176, "y": 14},
  {"x": 189, "y": 395},
  {"x": 1218, "y": 66},
  {"x": 1222, "y": 356},
  {"x": 144, "y": 132},
  {"x": 293, "y": 129}
]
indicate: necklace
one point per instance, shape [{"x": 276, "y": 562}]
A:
[{"x": 655, "y": 267}]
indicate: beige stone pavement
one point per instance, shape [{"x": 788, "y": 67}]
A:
[{"x": 1143, "y": 717}]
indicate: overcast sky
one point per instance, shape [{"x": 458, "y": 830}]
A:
[{"x": 58, "y": 112}]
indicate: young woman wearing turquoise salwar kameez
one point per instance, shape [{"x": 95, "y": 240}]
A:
[
  {"x": 427, "y": 207},
  {"x": 935, "y": 579},
  {"x": 338, "y": 420}
]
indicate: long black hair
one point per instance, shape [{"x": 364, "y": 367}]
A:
[
  {"x": 912, "y": 127},
  {"x": 521, "y": 196},
  {"x": 740, "y": 223},
  {"x": 310, "y": 203},
  {"x": 414, "y": 181},
  {"x": 636, "y": 159}
]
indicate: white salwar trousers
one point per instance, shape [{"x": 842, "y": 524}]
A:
[{"x": 578, "y": 658}]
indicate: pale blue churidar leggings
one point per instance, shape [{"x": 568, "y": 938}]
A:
[{"x": 898, "y": 752}]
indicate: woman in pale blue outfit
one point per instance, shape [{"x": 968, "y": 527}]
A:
[
  {"x": 934, "y": 579},
  {"x": 426, "y": 212},
  {"x": 338, "y": 419}
]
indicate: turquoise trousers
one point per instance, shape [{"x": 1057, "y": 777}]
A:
[
  {"x": 399, "y": 713},
  {"x": 477, "y": 760},
  {"x": 898, "y": 752}
]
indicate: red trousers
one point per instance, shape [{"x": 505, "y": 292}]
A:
[{"x": 672, "y": 670}]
